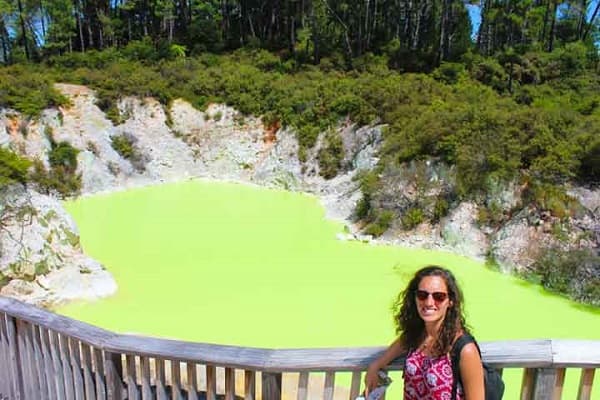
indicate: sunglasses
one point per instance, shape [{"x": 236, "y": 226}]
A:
[{"x": 438, "y": 297}]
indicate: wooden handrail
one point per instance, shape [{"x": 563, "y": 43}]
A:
[{"x": 39, "y": 343}]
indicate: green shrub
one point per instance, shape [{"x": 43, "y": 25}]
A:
[
  {"x": 449, "y": 73},
  {"x": 125, "y": 146},
  {"x": 589, "y": 169},
  {"x": 13, "y": 168},
  {"x": 63, "y": 155},
  {"x": 575, "y": 273},
  {"x": 58, "y": 180},
  {"x": 491, "y": 215},
  {"x": 552, "y": 198},
  {"x": 382, "y": 223},
  {"x": 28, "y": 90},
  {"x": 412, "y": 217},
  {"x": 331, "y": 155},
  {"x": 440, "y": 209},
  {"x": 363, "y": 207},
  {"x": 489, "y": 72},
  {"x": 122, "y": 145}
]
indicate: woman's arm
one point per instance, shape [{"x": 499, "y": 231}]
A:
[
  {"x": 471, "y": 373},
  {"x": 394, "y": 351}
]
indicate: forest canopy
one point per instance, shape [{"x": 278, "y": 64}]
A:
[{"x": 416, "y": 35}]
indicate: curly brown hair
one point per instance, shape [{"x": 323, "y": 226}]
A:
[{"x": 409, "y": 325}]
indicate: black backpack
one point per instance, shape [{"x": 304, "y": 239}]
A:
[{"x": 494, "y": 386}]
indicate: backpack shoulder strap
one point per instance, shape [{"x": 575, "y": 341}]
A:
[{"x": 457, "y": 347}]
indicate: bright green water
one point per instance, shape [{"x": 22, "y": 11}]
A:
[{"x": 233, "y": 264}]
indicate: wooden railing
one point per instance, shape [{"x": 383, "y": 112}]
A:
[{"x": 47, "y": 356}]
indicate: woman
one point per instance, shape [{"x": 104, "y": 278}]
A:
[{"x": 429, "y": 319}]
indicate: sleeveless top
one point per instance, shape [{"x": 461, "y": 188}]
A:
[{"x": 427, "y": 378}]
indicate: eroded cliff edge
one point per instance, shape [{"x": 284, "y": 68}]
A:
[{"x": 42, "y": 262}]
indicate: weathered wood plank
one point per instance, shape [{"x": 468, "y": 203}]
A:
[
  {"x": 355, "y": 385},
  {"x": 59, "y": 380},
  {"x": 99, "y": 374},
  {"x": 329, "y": 385},
  {"x": 229, "y": 384},
  {"x": 527, "y": 384},
  {"x": 88, "y": 377},
  {"x": 575, "y": 353},
  {"x": 113, "y": 368},
  {"x": 249, "y": 385},
  {"x": 271, "y": 385},
  {"x": 40, "y": 362},
  {"x": 77, "y": 370},
  {"x": 130, "y": 378},
  {"x": 9, "y": 359},
  {"x": 176, "y": 380},
  {"x": 211, "y": 382},
  {"x": 530, "y": 354},
  {"x": 559, "y": 384},
  {"x": 585, "y": 384},
  {"x": 545, "y": 380},
  {"x": 58, "y": 323},
  {"x": 145, "y": 376},
  {"x": 49, "y": 372},
  {"x": 30, "y": 381},
  {"x": 159, "y": 378},
  {"x": 4, "y": 380},
  {"x": 65, "y": 357},
  {"x": 302, "y": 386},
  {"x": 192, "y": 381},
  {"x": 24, "y": 359}
]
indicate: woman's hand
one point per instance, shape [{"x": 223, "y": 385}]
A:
[{"x": 371, "y": 378}]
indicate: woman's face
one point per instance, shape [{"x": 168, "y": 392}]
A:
[{"x": 432, "y": 299}]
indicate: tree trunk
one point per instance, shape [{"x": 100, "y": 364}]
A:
[
  {"x": 23, "y": 30},
  {"x": 315, "y": 35},
  {"x": 444, "y": 31},
  {"x": 582, "y": 16},
  {"x": 80, "y": 25},
  {"x": 552, "y": 27},
  {"x": 43, "y": 23}
]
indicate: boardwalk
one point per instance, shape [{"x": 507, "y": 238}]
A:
[{"x": 48, "y": 356}]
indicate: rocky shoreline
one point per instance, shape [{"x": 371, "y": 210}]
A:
[{"x": 46, "y": 266}]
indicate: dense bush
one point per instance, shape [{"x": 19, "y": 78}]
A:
[
  {"x": 62, "y": 177},
  {"x": 63, "y": 155},
  {"x": 13, "y": 168},
  {"x": 463, "y": 114},
  {"x": 331, "y": 155},
  {"x": 57, "y": 180},
  {"x": 125, "y": 145},
  {"x": 575, "y": 273},
  {"x": 412, "y": 217},
  {"x": 122, "y": 145},
  {"x": 28, "y": 90},
  {"x": 382, "y": 222}
]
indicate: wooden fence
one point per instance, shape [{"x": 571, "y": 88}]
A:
[{"x": 47, "y": 356}]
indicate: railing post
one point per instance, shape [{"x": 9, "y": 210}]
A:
[
  {"x": 271, "y": 386},
  {"x": 113, "y": 368},
  {"x": 545, "y": 381},
  {"x": 585, "y": 384},
  {"x": 14, "y": 358}
]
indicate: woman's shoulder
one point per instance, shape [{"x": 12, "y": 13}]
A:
[{"x": 468, "y": 345}]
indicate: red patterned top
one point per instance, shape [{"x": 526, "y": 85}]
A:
[{"x": 427, "y": 378}]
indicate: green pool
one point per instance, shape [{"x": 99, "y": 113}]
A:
[{"x": 235, "y": 264}]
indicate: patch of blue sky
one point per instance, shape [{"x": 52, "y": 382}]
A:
[{"x": 475, "y": 15}]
